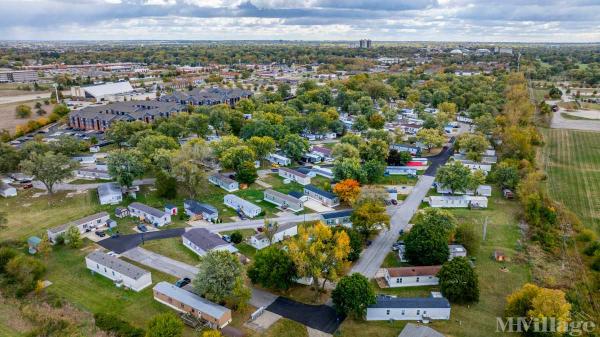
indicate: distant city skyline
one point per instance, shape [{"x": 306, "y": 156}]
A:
[{"x": 311, "y": 20}]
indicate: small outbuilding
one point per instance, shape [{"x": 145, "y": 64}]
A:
[{"x": 33, "y": 242}]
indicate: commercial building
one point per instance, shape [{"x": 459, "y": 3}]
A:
[
  {"x": 87, "y": 224},
  {"x": 122, "y": 273},
  {"x": 102, "y": 116},
  {"x": 102, "y": 92},
  {"x": 209, "y": 96},
  {"x": 186, "y": 302},
  {"x": 21, "y": 76}
]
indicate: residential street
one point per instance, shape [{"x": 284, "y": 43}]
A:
[{"x": 161, "y": 263}]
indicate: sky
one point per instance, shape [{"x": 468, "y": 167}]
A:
[{"x": 379, "y": 20}]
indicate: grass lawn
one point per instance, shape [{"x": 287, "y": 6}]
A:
[
  {"x": 572, "y": 160},
  {"x": 94, "y": 293},
  {"x": 392, "y": 260},
  {"x": 173, "y": 248},
  {"x": 540, "y": 94},
  {"x": 477, "y": 319},
  {"x": 398, "y": 180},
  {"x": 286, "y": 328},
  {"x": 569, "y": 116},
  {"x": 246, "y": 250}
]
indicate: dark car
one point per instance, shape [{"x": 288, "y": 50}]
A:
[
  {"x": 115, "y": 235},
  {"x": 368, "y": 243},
  {"x": 142, "y": 228},
  {"x": 182, "y": 282},
  {"x": 100, "y": 234},
  {"x": 394, "y": 202}
]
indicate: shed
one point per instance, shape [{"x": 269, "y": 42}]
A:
[{"x": 33, "y": 242}]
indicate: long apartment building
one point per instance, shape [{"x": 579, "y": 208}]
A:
[{"x": 102, "y": 116}]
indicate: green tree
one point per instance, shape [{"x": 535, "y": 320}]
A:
[
  {"x": 349, "y": 168},
  {"x": 9, "y": 158},
  {"x": 6, "y": 254},
  {"x": 374, "y": 171},
  {"x": 198, "y": 124},
  {"x": 67, "y": 145},
  {"x": 246, "y": 173},
  {"x": 120, "y": 132},
  {"x": 375, "y": 149},
  {"x": 150, "y": 144},
  {"x": 218, "y": 272},
  {"x": 458, "y": 281},
  {"x": 398, "y": 158},
  {"x": 352, "y": 295},
  {"x": 125, "y": 166},
  {"x": 237, "y": 237},
  {"x": 234, "y": 157},
  {"x": 369, "y": 216},
  {"x": 474, "y": 144},
  {"x": 361, "y": 123},
  {"x": 440, "y": 220},
  {"x": 24, "y": 271},
  {"x": 49, "y": 168},
  {"x": 454, "y": 176},
  {"x": 555, "y": 93},
  {"x": 506, "y": 175},
  {"x": 467, "y": 235},
  {"x": 425, "y": 246},
  {"x": 344, "y": 150},
  {"x": 377, "y": 121},
  {"x": 262, "y": 146},
  {"x": 273, "y": 268},
  {"x": 165, "y": 325},
  {"x": 485, "y": 124},
  {"x": 73, "y": 237},
  {"x": 23, "y": 111},
  {"x": 61, "y": 110},
  {"x": 294, "y": 146},
  {"x": 431, "y": 138},
  {"x": 166, "y": 185}
]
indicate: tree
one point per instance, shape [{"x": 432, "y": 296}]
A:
[
  {"x": 234, "y": 157},
  {"x": 6, "y": 254},
  {"x": 555, "y": 93},
  {"x": 24, "y": 271},
  {"x": 467, "y": 236},
  {"x": 377, "y": 121},
  {"x": 49, "y": 168},
  {"x": 440, "y": 220},
  {"x": 361, "y": 123},
  {"x": 120, "y": 132},
  {"x": 473, "y": 143},
  {"x": 319, "y": 253},
  {"x": 61, "y": 110},
  {"x": 23, "y": 111},
  {"x": 273, "y": 268},
  {"x": 374, "y": 170},
  {"x": 198, "y": 124},
  {"x": 356, "y": 242},
  {"x": 398, "y": 158},
  {"x": 240, "y": 295},
  {"x": 73, "y": 237},
  {"x": 218, "y": 272},
  {"x": 67, "y": 145},
  {"x": 149, "y": 144},
  {"x": 375, "y": 149},
  {"x": 532, "y": 302},
  {"x": 125, "y": 166},
  {"x": 506, "y": 175},
  {"x": 246, "y": 173},
  {"x": 9, "y": 158},
  {"x": 348, "y": 190},
  {"x": 458, "y": 281},
  {"x": 425, "y": 246},
  {"x": 294, "y": 146},
  {"x": 485, "y": 124},
  {"x": 344, "y": 150},
  {"x": 262, "y": 146},
  {"x": 348, "y": 168},
  {"x": 431, "y": 138},
  {"x": 352, "y": 295},
  {"x": 454, "y": 176},
  {"x": 211, "y": 333},
  {"x": 165, "y": 325},
  {"x": 370, "y": 216},
  {"x": 166, "y": 185}
]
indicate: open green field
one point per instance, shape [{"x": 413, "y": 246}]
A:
[
  {"x": 572, "y": 161},
  {"x": 477, "y": 319}
]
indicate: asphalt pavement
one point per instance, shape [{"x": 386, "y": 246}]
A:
[{"x": 124, "y": 243}]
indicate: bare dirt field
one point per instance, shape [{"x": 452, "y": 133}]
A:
[
  {"x": 585, "y": 120},
  {"x": 9, "y": 121}
]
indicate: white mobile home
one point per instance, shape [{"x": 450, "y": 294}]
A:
[
  {"x": 454, "y": 250},
  {"x": 411, "y": 276},
  {"x": 240, "y": 205},
  {"x": 324, "y": 197},
  {"x": 284, "y": 201},
  {"x": 7, "y": 191},
  {"x": 482, "y": 190},
  {"x": 110, "y": 194},
  {"x": 150, "y": 214},
  {"x": 201, "y": 241},
  {"x": 294, "y": 175},
  {"x": 409, "y": 309},
  {"x": 197, "y": 210},
  {"x": 278, "y": 159},
  {"x": 89, "y": 223},
  {"x": 457, "y": 201},
  {"x": 260, "y": 241},
  {"x": 224, "y": 182},
  {"x": 121, "y": 272},
  {"x": 400, "y": 171},
  {"x": 338, "y": 218}
]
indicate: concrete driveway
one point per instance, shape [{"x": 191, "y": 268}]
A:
[{"x": 161, "y": 263}]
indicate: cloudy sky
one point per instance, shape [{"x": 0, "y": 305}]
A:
[{"x": 390, "y": 20}]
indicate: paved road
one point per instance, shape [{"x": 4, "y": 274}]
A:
[
  {"x": 23, "y": 98},
  {"x": 243, "y": 224},
  {"x": 124, "y": 243},
  {"x": 372, "y": 257},
  {"x": 80, "y": 187},
  {"x": 161, "y": 263}
]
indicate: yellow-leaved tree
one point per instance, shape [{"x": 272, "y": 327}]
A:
[{"x": 320, "y": 253}]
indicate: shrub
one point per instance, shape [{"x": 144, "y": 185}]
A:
[
  {"x": 592, "y": 248},
  {"x": 113, "y": 324},
  {"x": 236, "y": 237}
]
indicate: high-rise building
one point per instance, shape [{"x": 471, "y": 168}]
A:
[{"x": 365, "y": 43}]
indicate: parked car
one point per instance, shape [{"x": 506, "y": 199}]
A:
[
  {"x": 227, "y": 238},
  {"x": 259, "y": 229},
  {"x": 368, "y": 243},
  {"x": 396, "y": 246},
  {"x": 394, "y": 202},
  {"x": 142, "y": 228},
  {"x": 115, "y": 235},
  {"x": 182, "y": 282},
  {"x": 100, "y": 234}
]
